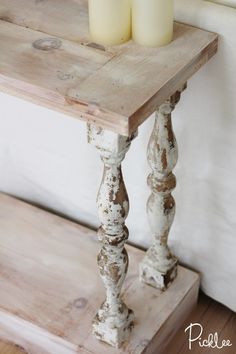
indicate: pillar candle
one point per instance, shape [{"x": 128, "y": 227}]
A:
[
  {"x": 110, "y": 21},
  {"x": 152, "y": 22}
]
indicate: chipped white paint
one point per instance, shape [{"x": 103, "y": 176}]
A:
[
  {"x": 114, "y": 320},
  {"x": 159, "y": 266},
  {"x": 55, "y": 320}
]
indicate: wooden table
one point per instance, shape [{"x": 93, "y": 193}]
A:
[
  {"x": 47, "y": 57},
  {"x": 50, "y": 289}
]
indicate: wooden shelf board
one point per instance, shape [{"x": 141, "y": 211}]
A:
[
  {"x": 50, "y": 288},
  {"x": 114, "y": 87}
]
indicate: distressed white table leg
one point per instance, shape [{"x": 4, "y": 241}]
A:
[
  {"x": 114, "y": 320},
  {"x": 159, "y": 266}
]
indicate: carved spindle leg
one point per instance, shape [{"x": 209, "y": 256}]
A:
[
  {"x": 159, "y": 266},
  {"x": 114, "y": 320}
]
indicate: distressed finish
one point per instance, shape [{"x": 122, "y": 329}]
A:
[
  {"x": 159, "y": 266},
  {"x": 52, "y": 62},
  {"x": 114, "y": 320},
  {"x": 47, "y": 57},
  {"x": 50, "y": 290}
]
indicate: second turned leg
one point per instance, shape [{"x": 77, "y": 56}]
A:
[{"x": 159, "y": 266}]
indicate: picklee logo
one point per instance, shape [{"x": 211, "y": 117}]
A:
[{"x": 212, "y": 341}]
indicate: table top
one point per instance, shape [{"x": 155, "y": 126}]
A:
[{"x": 47, "y": 57}]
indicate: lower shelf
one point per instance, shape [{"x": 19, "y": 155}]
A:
[{"x": 50, "y": 288}]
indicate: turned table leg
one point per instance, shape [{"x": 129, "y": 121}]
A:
[
  {"x": 159, "y": 266},
  {"x": 114, "y": 319}
]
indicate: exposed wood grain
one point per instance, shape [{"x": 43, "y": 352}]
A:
[
  {"x": 32, "y": 55},
  {"x": 179, "y": 340},
  {"x": 62, "y": 19},
  {"x": 9, "y": 348},
  {"x": 214, "y": 317},
  {"x": 46, "y": 67},
  {"x": 139, "y": 79},
  {"x": 50, "y": 289},
  {"x": 227, "y": 329},
  {"x": 115, "y": 87}
]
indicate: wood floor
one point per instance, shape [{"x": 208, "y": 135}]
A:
[{"x": 213, "y": 317}]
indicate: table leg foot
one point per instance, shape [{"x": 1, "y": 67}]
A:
[
  {"x": 113, "y": 328},
  {"x": 152, "y": 275}
]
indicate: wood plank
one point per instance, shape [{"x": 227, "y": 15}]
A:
[
  {"x": 9, "y": 348},
  {"x": 197, "y": 315},
  {"x": 45, "y": 76},
  {"x": 229, "y": 332},
  {"x": 48, "y": 67},
  {"x": 213, "y": 321},
  {"x": 51, "y": 17},
  {"x": 204, "y": 303},
  {"x": 214, "y": 317},
  {"x": 50, "y": 287},
  {"x": 114, "y": 87},
  {"x": 135, "y": 83}
]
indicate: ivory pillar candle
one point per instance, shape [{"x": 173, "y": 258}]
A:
[
  {"x": 152, "y": 22},
  {"x": 110, "y": 21}
]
